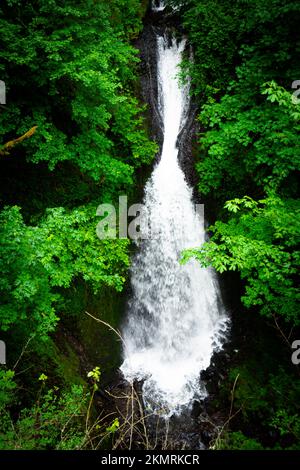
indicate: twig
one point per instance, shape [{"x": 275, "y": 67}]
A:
[
  {"x": 281, "y": 332},
  {"x": 4, "y": 150},
  {"x": 23, "y": 351}
]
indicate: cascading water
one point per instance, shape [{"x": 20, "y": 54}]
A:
[
  {"x": 158, "y": 5},
  {"x": 175, "y": 319}
]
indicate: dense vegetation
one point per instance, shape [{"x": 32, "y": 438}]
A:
[
  {"x": 72, "y": 137},
  {"x": 245, "y": 61}
]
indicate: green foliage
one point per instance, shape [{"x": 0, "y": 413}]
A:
[
  {"x": 53, "y": 422},
  {"x": 260, "y": 240},
  {"x": 250, "y": 139},
  {"x": 7, "y": 388},
  {"x": 36, "y": 260},
  {"x": 287, "y": 424},
  {"x": 226, "y": 34},
  {"x": 79, "y": 69},
  {"x": 113, "y": 427},
  {"x": 214, "y": 28},
  {"x": 243, "y": 51},
  {"x": 270, "y": 401},
  {"x": 95, "y": 376},
  {"x": 250, "y": 143},
  {"x": 238, "y": 441},
  {"x": 43, "y": 377},
  {"x": 26, "y": 294},
  {"x": 71, "y": 248},
  {"x": 71, "y": 71},
  {"x": 285, "y": 400},
  {"x": 251, "y": 394}
]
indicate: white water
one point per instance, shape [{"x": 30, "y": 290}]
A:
[
  {"x": 158, "y": 5},
  {"x": 175, "y": 320}
]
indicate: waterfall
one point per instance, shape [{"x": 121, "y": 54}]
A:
[
  {"x": 158, "y": 5},
  {"x": 175, "y": 317}
]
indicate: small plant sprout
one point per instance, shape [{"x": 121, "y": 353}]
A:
[
  {"x": 95, "y": 375},
  {"x": 43, "y": 377}
]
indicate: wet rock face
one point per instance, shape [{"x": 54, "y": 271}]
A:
[
  {"x": 148, "y": 78},
  {"x": 185, "y": 142}
]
